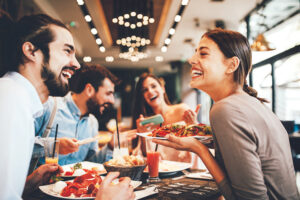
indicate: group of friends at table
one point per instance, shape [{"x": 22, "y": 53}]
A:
[{"x": 45, "y": 85}]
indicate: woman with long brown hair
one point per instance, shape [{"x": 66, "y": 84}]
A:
[
  {"x": 151, "y": 99},
  {"x": 253, "y": 156}
]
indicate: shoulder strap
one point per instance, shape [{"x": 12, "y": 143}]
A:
[
  {"x": 49, "y": 125},
  {"x": 46, "y": 133}
]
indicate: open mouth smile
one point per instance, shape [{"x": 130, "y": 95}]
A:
[
  {"x": 68, "y": 72},
  {"x": 196, "y": 72}
]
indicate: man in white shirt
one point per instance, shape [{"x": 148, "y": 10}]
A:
[{"x": 40, "y": 62}]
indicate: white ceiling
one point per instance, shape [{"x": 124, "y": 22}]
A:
[{"x": 206, "y": 11}]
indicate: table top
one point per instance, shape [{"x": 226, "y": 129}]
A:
[{"x": 171, "y": 187}]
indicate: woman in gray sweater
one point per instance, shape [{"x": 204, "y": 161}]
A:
[{"x": 253, "y": 157}]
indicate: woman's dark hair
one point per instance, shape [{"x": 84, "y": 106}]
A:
[
  {"x": 232, "y": 43},
  {"x": 34, "y": 29},
  {"x": 93, "y": 74},
  {"x": 140, "y": 105}
]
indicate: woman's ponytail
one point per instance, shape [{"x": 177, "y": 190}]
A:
[{"x": 252, "y": 92}]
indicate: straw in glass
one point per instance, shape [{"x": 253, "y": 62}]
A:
[{"x": 55, "y": 141}]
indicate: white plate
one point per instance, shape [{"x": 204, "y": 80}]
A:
[
  {"x": 48, "y": 189},
  {"x": 85, "y": 165},
  {"x": 198, "y": 137},
  {"x": 166, "y": 166},
  {"x": 200, "y": 175}
]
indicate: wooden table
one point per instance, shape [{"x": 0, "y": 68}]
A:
[{"x": 171, "y": 187}]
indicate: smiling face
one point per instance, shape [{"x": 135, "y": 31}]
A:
[
  {"x": 209, "y": 66},
  {"x": 153, "y": 92},
  {"x": 62, "y": 62},
  {"x": 103, "y": 98}
]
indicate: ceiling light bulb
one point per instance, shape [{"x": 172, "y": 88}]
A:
[
  {"x": 184, "y": 2},
  {"x": 164, "y": 49},
  {"x": 98, "y": 41},
  {"x": 132, "y": 26},
  {"x": 126, "y": 24},
  {"x": 133, "y": 14},
  {"x": 139, "y": 24},
  {"x": 94, "y": 31},
  {"x": 102, "y": 49},
  {"x": 80, "y": 2},
  {"x": 167, "y": 41},
  {"x": 128, "y": 38},
  {"x": 139, "y": 16},
  {"x": 88, "y": 18},
  {"x": 177, "y": 18},
  {"x": 133, "y": 37},
  {"x": 87, "y": 59},
  {"x": 145, "y": 18},
  {"x": 148, "y": 41},
  {"x": 151, "y": 20},
  {"x": 159, "y": 58},
  {"x": 126, "y": 16},
  {"x": 114, "y": 20},
  {"x": 138, "y": 39},
  {"x": 171, "y": 31},
  {"x": 121, "y": 22},
  {"x": 118, "y": 42},
  {"x": 120, "y": 18},
  {"x": 109, "y": 59},
  {"x": 145, "y": 22}
]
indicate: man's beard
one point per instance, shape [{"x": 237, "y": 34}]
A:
[
  {"x": 94, "y": 107},
  {"x": 55, "y": 85}
]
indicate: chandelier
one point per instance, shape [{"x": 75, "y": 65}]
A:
[{"x": 133, "y": 18}]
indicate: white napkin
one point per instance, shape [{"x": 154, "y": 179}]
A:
[
  {"x": 146, "y": 192},
  {"x": 201, "y": 175}
]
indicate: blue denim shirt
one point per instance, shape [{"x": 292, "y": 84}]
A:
[{"x": 70, "y": 125}]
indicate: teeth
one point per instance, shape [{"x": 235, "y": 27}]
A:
[
  {"x": 67, "y": 74},
  {"x": 153, "y": 98},
  {"x": 197, "y": 72}
]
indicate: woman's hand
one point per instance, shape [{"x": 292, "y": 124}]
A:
[
  {"x": 146, "y": 128},
  {"x": 190, "y": 117},
  {"x": 180, "y": 143},
  {"x": 109, "y": 191}
]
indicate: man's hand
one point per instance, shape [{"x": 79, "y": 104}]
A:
[
  {"x": 108, "y": 191},
  {"x": 67, "y": 145},
  {"x": 40, "y": 176}
]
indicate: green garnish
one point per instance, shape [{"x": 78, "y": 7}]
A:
[
  {"x": 54, "y": 178},
  {"x": 77, "y": 166}
]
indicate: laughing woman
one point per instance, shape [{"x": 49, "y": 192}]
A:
[
  {"x": 151, "y": 99},
  {"x": 253, "y": 156}
]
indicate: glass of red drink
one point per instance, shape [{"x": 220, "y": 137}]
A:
[{"x": 152, "y": 162}]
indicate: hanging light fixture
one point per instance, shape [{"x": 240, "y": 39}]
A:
[
  {"x": 133, "y": 18},
  {"x": 261, "y": 44}
]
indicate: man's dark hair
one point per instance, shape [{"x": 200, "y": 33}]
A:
[
  {"x": 34, "y": 29},
  {"x": 93, "y": 74}
]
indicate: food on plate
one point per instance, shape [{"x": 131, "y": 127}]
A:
[
  {"x": 182, "y": 130},
  {"x": 58, "y": 186},
  {"x": 127, "y": 161},
  {"x": 77, "y": 170},
  {"x": 86, "y": 185}
]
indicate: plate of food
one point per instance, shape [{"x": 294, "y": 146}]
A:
[
  {"x": 82, "y": 187},
  {"x": 198, "y": 131},
  {"x": 81, "y": 168},
  {"x": 166, "y": 167}
]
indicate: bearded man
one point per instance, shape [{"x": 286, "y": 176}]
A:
[{"x": 92, "y": 89}]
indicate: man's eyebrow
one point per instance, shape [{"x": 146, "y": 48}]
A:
[{"x": 70, "y": 46}]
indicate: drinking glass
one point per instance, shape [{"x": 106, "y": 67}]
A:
[
  {"x": 51, "y": 154},
  {"x": 123, "y": 150},
  {"x": 152, "y": 161}
]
